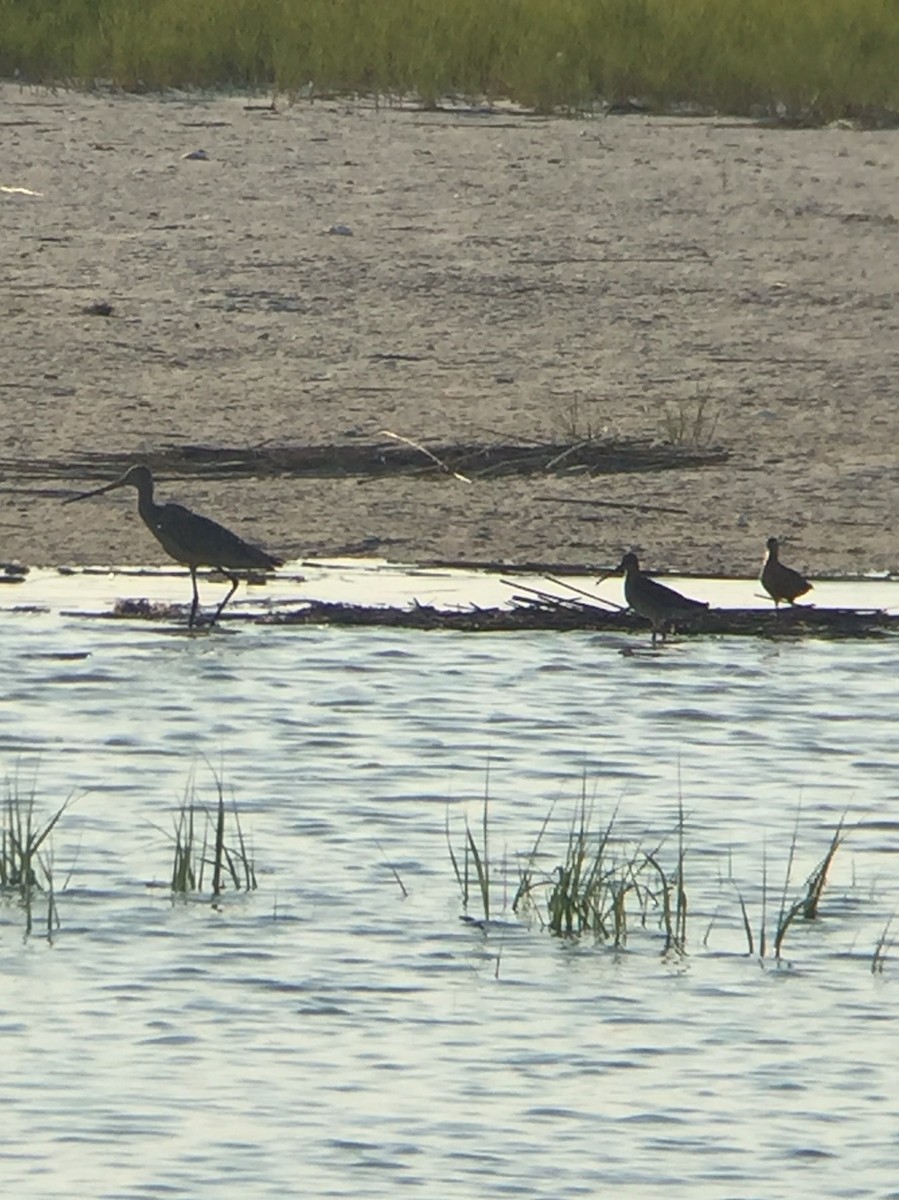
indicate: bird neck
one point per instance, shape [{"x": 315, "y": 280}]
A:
[{"x": 145, "y": 505}]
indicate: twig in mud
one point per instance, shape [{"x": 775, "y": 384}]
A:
[
  {"x": 503, "y": 439},
  {"x": 660, "y": 508},
  {"x": 572, "y": 449},
  {"x": 398, "y": 437}
]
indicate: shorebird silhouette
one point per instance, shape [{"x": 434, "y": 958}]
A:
[
  {"x": 780, "y": 582},
  {"x": 190, "y": 538},
  {"x": 660, "y": 605}
]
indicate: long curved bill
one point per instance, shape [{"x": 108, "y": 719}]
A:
[{"x": 94, "y": 492}]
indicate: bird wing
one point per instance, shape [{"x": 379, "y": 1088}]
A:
[
  {"x": 199, "y": 541},
  {"x": 783, "y": 583},
  {"x": 668, "y": 597},
  {"x": 797, "y": 583}
]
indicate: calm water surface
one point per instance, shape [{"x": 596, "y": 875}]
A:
[{"x": 324, "y": 1036}]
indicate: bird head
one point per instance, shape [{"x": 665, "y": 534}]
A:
[
  {"x": 628, "y": 563},
  {"x": 137, "y": 476}
]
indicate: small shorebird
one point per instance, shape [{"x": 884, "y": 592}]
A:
[
  {"x": 780, "y": 582},
  {"x": 661, "y": 605},
  {"x": 189, "y": 538}
]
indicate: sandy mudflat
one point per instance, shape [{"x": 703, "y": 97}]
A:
[{"x": 509, "y": 279}]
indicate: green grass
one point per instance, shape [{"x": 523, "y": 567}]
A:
[
  {"x": 603, "y": 886},
  {"x": 26, "y": 859},
  {"x": 811, "y": 57},
  {"x": 804, "y": 905},
  {"x": 473, "y": 875},
  {"x": 200, "y": 848}
]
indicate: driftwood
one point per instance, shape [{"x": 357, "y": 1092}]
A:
[
  {"x": 541, "y": 612},
  {"x": 530, "y": 615}
]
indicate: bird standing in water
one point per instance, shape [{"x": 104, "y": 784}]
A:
[
  {"x": 780, "y": 582},
  {"x": 190, "y": 538},
  {"x": 660, "y": 605}
]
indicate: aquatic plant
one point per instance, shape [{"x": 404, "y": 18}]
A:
[
  {"x": 26, "y": 860},
  {"x": 810, "y": 59},
  {"x": 200, "y": 846},
  {"x": 606, "y": 885},
  {"x": 601, "y": 886},
  {"x": 475, "y": 859},
  {"x": 805, "y": 905},
  {"x": 884, "y": 944}
]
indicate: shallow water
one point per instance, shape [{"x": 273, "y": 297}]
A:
[{"x": 325, "y": 1036}]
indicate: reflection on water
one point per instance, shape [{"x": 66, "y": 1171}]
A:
[{"x": 324, "y": 1036}]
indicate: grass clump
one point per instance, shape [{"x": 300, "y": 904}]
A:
[
  {"x": 200, "y": 848},
  {"x": 606, "y": 886},
  {"x": 691, "y": 424},
  {"x": 815, "y": 58},
  {"x": 473, "y": 875},
  {"x": 26, "y": 860},
  {"x": 602, "y": 887}
]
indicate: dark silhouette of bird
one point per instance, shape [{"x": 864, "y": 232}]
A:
[
  {"x": 660, "y": 605},
  {"x": 190, "y": 538},
  {"x": 780, "y": 582}
]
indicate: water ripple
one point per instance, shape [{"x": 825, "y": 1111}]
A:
[{"x": 331, "y": 1020}]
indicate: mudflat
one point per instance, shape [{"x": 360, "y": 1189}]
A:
[{"x": 719, "y": 295}]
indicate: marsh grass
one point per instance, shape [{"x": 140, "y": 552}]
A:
[
  {"x": 603, "y": 887},
  {"x": 26, "y": 858},
  {"x": 201, "y": 847},
  {"x": 804, "y": 906},
  {"x": 689, "y": 423},
  {"x": 574, "y": 424},
  {"x": 607, "y": 886},
  {"x": 885, "y": 943},
  {"x": 473, "y": 874},
  {"x": 811, "y": 59}
]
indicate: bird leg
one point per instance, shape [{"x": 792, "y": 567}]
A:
[
  {"x": 218, "y": 612},
  {"x": 193, "y": 607}
]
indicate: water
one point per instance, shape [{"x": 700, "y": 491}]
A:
[{"x": 324, "y": 1036}]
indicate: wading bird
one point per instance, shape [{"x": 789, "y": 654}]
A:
[
  {"x": 780, "y": 582},
  {"x": 661, "y": 605},
  {"x": 189, "y": 538}
]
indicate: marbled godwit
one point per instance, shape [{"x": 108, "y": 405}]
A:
[
  {"x": 780, "y": 582},
  {"x": 661, "y": 605},
  {"x": 189, "y": 538}
]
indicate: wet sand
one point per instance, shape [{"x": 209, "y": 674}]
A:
[{"x": 507, "y": 279}]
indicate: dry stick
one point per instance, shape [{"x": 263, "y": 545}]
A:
[
  {"x": 572, "y": 449},
  {"x": 505, "y": 438},
  {"x": 589, "y": 595},
  {"x": 661, "y": 508},
  {"x": 554, "y": 262},
  {"x": 556, "y": 601},
  {"x": 512, "y": 465},
  {"x": 398, "y": 437}
]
